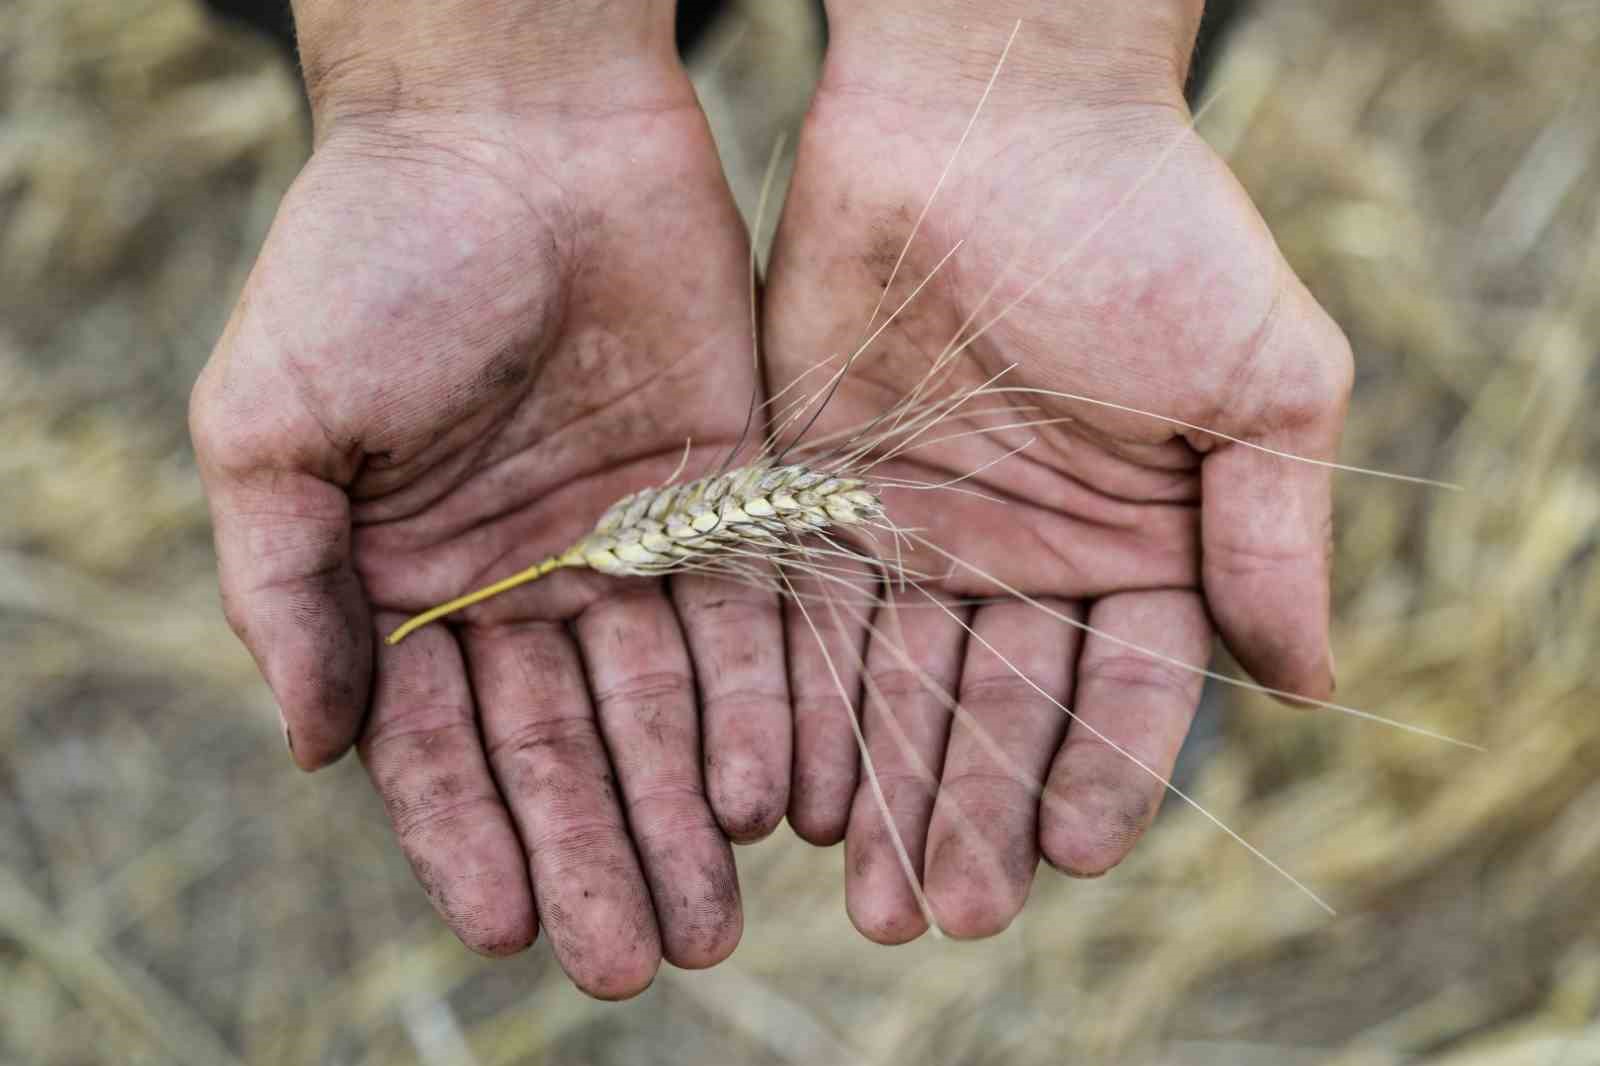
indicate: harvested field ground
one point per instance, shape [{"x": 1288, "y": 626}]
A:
[{"x": 172, "y": 891}]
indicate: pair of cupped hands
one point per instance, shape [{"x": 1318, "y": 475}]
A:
[{"x": 511, "y": 283}]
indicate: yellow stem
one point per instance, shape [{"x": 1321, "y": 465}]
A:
[{"x": 533, "y": 573}]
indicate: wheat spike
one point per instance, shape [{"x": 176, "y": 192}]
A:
[{"x": 709, "y": 524}]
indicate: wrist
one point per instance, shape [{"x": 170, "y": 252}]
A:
[
  {"x": 503, "y": 57},
  {"x": 1073, "y": 51}
]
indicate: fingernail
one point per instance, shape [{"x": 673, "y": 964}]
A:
[
  {"x": 288, "y": 737},
  {"x": 1333, "y": 673}
]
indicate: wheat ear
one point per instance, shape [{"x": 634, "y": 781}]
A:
[{"x": 711, "y": 524}]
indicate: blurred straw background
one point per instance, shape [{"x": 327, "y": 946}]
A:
[{"x": 171, "y": 891}]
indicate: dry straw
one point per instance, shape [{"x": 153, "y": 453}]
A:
[{"x": 1431, "y": 170}]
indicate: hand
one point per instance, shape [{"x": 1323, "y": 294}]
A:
[
  {"x": 1172, "y": 298},
  {"x": 471, "y": 329}
]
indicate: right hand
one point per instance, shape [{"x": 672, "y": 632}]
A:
[
  {"x": 1174, "y": 299},
  {"x": 471, "y": 329}
]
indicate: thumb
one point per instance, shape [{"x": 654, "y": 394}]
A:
[
  {"x": 1266, "y": 520},
  {"x": 281, "y": 521}
]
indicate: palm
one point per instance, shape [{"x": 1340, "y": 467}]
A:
[
  {"x": 1167, "y": 297},
  {"x": 579, "y": 357},
  {"x": 494, "y": 355}
]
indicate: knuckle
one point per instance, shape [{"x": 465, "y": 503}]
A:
[
  {"x": 1001, "y": 692},
  {"x": 1342, "y": 366},
  {"x": 233, "y": 610},
  {"x": 907, "y": 791},
  {"x": 555, "y": 763},
  {"x": 298, "y": 555},
  {"x": 732, "y": 607},
  {"x": 428, "y": 732},
  {"x": 984, "y": 794},
  {"x": 1131, "y": 672},
  {"x": 428, "y": 796},
  {"x": 576, "y": 846},
  {"x": 746, "y": 702},
  {"x": 217, "y": 430},
  {"x": 818, "y": 711},
  {"x": 566, "y": 739},
  {"x": 212, "y": 423},
  {"x": 669, "y": 811},
  {"x": 1298, "y": 367},
  {"x": 899, "y": 685},
  {"x": 1315, "y": 387},
  {"x": 669, "y": 792},
  {"x": 201, "y": 404},
  {"x": 435, "y": 813},
  {"x": 1232, "y": 556},
  {"x": 647, "y": 690}
]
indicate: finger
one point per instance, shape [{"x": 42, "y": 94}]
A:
[
  {"x": 913, "y": 662},
  {"x": 826, "y": 760},
  {"x": 551, "y": 765},
  {"x": 638, "y": 670},
  {"x": 735, "y": 636},
  {"x": 422, "y": 750},
  {"x": 282, "y": 530},
  {"x": 1098, "y": 801},
  {"x": 1266, "y": 521},
  {"x": 983, "y": 842}
]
